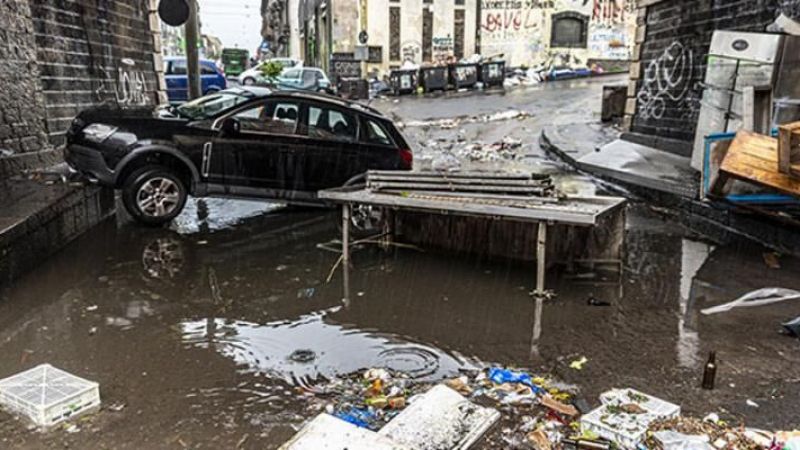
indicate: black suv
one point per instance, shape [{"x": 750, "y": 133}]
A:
[{"x": 244, "y": 142}]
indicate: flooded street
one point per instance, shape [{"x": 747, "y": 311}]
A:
[{"x": 202, "y": 334}]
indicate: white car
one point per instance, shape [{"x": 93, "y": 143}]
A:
[{"x": 255, "y": 74}]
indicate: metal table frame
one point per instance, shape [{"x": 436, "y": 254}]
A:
[{"x": 547, "y": 214}]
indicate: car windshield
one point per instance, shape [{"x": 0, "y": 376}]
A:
[{"x": 210, "y": 105}]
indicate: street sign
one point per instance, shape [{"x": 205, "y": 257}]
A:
[{"x": 174, "y": 12}]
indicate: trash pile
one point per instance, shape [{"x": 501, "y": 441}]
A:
[
  {"x": 519, "y": 77},
  {"x": 451, "y": 123},
  {"x": 540, "y": 413},
  {"x": 444, "y": 155}
]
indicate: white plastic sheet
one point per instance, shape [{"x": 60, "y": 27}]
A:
[
  {"x": 672, "y": 440},
  {"x": 760, "y": 297}
]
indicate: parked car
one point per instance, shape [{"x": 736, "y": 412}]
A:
[
  {"x": 304, "y": 79},
  {"x": 175, "y": 73},
  {"x": 255, "y": 74},
  {"x": 247, "y": 142}
]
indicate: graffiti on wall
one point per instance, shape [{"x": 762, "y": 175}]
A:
[
  {"x": 126, "y": 85},
  {"x": 667, "y": 78},
  {"x": 442, "y": 49},
  {"x": 411, "y": 51},
  {"x": 611, "y": 11}
]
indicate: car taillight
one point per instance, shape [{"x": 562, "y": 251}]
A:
[{"x": 407, "y": 157}]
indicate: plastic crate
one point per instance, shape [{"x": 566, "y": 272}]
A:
[
  {"x": 47, "y": 395},
  {"x": 627, "y": 430}
]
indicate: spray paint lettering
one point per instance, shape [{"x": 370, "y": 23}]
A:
[
  {"x": 611, "y": 11},
  {"x": 667, "y": 78},
  {"x": 130, "y": 87},
  {"x": 411, "y": 51}
]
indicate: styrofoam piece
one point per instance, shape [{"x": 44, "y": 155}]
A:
[
  {"x": 47, "y": 395},
  {"x": 326, "y": 432},
  {"x": 625, "y": 429},
  {"x": 441, "y": 419}
]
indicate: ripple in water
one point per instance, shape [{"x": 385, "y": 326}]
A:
[{"x": 307, "y": 350}]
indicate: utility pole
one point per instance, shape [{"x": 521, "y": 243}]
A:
[{"x": 192, "y": 55}]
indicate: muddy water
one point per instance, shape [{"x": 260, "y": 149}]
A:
[{"x": 200, "y": 335}]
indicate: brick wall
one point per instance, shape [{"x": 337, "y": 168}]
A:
[
  {"x": 22, "y": 126},
  {"x": 95, "y": 51},
  {"x": 673, "y": 39}
]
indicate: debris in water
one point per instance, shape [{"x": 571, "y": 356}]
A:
[
  {"x": 760, "y": 297},
  {"x": 771, "y": 259},
  {"x": 578, "y": 363}
]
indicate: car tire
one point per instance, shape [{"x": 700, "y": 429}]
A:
[
  {"x": 249, "y": 81},
  {"x": 154, "y": 195}
]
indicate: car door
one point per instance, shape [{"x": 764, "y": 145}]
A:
[
  {"x": 177, "y": 80},
  {"x": 378, "y": 151},
  {"x": 290, "y": 79},
  {"x": 254, "y": 157},
  {"x": 331, "y": 155}
]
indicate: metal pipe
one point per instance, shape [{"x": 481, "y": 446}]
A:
[
  {"x": 541, "y": 250},
  {"x": 192, "y": 54}
]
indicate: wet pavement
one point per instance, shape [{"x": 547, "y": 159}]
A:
[{"x": 200, "y": 335}]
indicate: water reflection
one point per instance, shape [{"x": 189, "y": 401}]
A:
[{"x": 328, "y": 349}]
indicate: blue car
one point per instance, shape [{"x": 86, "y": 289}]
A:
[{"x": 212, "y": 78}]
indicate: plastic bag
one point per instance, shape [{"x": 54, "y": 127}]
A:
[
  {"x": 758, "y": 297},
  {"x": 672, "y": 440}
]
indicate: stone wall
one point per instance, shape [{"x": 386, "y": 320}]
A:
[
  {"x": 672, "y": 43},
  {"x": 95, "y": 51},
  {"x": 22, "y": 125}
]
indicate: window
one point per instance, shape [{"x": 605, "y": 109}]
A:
[
  {"x": 569, "y": 30},
  {"x": 207, "y": 69},
  {"x": 178, "y": 67},
  {"x": 310, "y": 78},
  {"x": 293, "y": 74},
  {"x": 394, "y": 33},
  {"x": 327, "y": 123},
  {"x": 275, "y": 117},
  {"x": 375, "y": 134},
  {"x": 458, "y": 33}
]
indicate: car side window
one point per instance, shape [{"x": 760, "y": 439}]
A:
[
  {"x": 374, "y": 133},
  {"x": 178, "y": 67},
  {"x": 292, "y": 74},
  {"x": 206, "y": 69},
  {"x": 330, "y": 123},
  {"x": 274, "y": 117}
]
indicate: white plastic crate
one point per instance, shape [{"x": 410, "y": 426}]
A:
[
  {"x": 47, "y": 395},
  {"x": 627, "y": 430}
]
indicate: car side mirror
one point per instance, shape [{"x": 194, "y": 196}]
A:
[{"x": 230, "y": 126}]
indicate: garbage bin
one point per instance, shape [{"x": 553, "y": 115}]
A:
[
  {"x": 353, "y": 88},
  {"x": 433, "y": 78},
  {"x": 463, "y": 75},
  {"x": 403, "y": 81},
  {"x": 614, "y": 99},
  {"x": 492, "y": 73}
]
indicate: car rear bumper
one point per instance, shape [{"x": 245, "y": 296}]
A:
[{"x": 89, "y": 162}]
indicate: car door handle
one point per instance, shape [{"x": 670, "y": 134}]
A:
[{"x": 205, "y": 166}]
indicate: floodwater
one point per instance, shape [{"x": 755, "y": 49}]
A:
[{"x": 200, "y": 334}]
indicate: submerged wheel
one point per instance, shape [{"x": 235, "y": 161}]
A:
[{"x": 154, "y": 195}]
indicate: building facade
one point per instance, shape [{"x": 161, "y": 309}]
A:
[
  {"x": 388, "y": 32},
  {"x": 544, "y": 33}
]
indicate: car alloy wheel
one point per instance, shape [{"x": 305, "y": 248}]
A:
[
  {"x": 366, "y": 218},
  {"x": 249, "y": 81},
  {"x": 158, "y": 197}
]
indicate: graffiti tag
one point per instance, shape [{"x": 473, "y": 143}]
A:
[{"x": 666, "y": 79}]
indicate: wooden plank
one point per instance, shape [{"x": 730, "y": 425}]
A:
[
  {"x": 753, "y": 157},
  {"x": 788, "y": 147}
]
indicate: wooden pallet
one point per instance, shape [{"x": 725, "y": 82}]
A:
[
  {"x": 789, "y": 149},
  {"x": 753, "y": 157}
]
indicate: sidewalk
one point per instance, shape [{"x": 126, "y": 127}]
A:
[
  {"x": 663, "y": 178},
  {"x": 41, "y": 213}
]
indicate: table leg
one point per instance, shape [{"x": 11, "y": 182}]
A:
[
  {"x": 346, "y": 211},
  {"x": 541, "y": 247}
]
